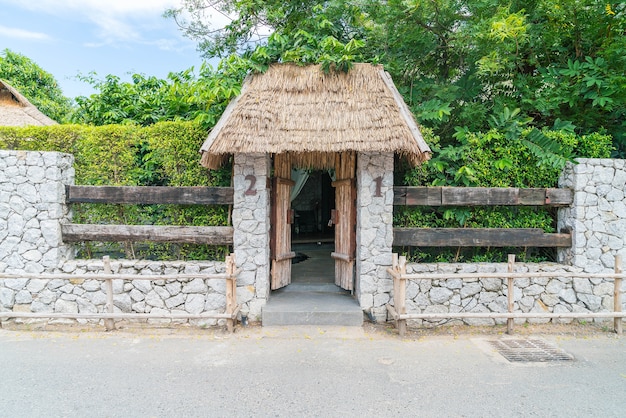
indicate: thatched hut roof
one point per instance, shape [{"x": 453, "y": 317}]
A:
[
  {"x": 311, "y": 115},
  {"x": 16, "y": 110}
]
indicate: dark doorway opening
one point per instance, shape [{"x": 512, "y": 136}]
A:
[
  {"x": 312, "y": 236},
  {"x": 312, "y": 210}
]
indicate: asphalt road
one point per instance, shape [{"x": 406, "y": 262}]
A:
[{"x": 283, "y": 372}]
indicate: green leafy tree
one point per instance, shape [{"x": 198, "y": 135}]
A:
[
  {"x": 203, "y": 97},
  {"x": 37, "y": 85},
  {"x": 464, "y": 63},
  {"x": 147, "y": 100},
  {"x": 459, "y": 63},
  {"x": 250, "y": 22}
]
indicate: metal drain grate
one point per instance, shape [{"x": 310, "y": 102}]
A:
[{"x": 530, "y": 351}]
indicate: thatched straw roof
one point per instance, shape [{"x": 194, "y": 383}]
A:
[
  {"x": 16, "y": 110},
  {"x": 311, "y": 115}
]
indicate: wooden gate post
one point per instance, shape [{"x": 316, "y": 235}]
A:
[
  {"x": 109, "y": 323},
  {"x": 280, "y": 222},
  {"x": 617, "y": 299},
  {"x": 510, "y": 295},
  {"x": 231, "y": 292},
  {"x": 345, "y": 219},
  {"x": 399, "y": 291}
]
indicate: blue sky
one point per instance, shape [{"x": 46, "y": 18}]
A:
[{"x": 67, "y": 37}]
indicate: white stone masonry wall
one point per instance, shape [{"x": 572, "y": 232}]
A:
[
  {"x": 374, "y": 232},
  {"x": 193, "y": 296},
  {"x": 556, "y": 295},
  {"x": 32, "y": 208},
  {"x": 251, "y": 222},
  {"x": 597, "y": 219}
]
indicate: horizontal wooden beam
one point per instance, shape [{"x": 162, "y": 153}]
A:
[
  {"x": 118, "y": 276},
  {"x": 559, "y": 197},
  {"x": 470, "y": 277},
  {"x": 150, "y": 195},
  {"x": 478, "y": 237},
  {"x": 212, "y": 235},
  {"x": 481, "y": 196},
  {"x": 342, "y": 257},
  {"x": 286, "y": 256},
  {"x": 117, "y": 315},
  {"x": 520, "y": 315},
  {"x": 417, "y": 196}
]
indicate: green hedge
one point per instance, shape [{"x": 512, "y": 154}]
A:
[{"x": 163, "y": 154}]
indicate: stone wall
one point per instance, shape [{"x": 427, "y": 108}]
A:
[
  {"x": 137, "y": 296},
  {"x": 556, "y": 295},
  {"x": 251, "y": 221},
  {"x": 374, "y": 236},
  {"x": 597, "y": 219},
  {"x": 32, "y": 208}
]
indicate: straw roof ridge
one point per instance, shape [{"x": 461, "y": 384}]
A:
[
  {"x": 301, "y": 109},
  {"x": 16, "y": 110}
]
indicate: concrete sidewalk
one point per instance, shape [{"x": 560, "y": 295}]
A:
[{"x": 299, "y": 371}]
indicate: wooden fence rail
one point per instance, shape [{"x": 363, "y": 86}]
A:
[
  {"x": 230, "y": 314},
  {"x": 212, "y": 235},
  {"x": 400, "y": 277},
  {"x": 480, "y": 237},
  {"x": 163, "y": 195},
  {"x": 480, "y": 196}
]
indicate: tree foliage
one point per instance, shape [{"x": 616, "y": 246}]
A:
[
  {"x": 460, "y": 64},
  {"x": 37, "y": 85},
  {"x": 507, "y": 92},
  {"x": 463, "y": 63},
  {"x": 250, "y": 22},
  {"x": 203, "y": 97},
  {"x": 147, "y": 99}
]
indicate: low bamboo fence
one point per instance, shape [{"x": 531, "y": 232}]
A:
[
  {"x": 399, "y": 314},
  {"x": 230, "y": 314}
]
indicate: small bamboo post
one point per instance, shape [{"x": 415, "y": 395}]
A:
[
  {"x": 109, "y": 323},
  {"x": 510, "y": 294},
  {"x": 401, "y": 298},
  {"x": 395, "y": 268},
  {"x": 617, "y": 300},
  {"x": 231, "y": 292}
]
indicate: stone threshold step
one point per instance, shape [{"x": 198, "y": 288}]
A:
[
  {"x": 312, "y": 308},
  {"x": 311, "y": 287}
]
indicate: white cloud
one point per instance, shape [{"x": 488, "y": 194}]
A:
[
  {"x": 117, "y": 21},
  {"x": 22, "y": 34},
  {"x": 111, "y": 30},
  {"x": 166, "y": 44},
  {"x": 118, "y": 8}
]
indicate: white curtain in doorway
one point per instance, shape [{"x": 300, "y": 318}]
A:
[{"x": 299, "y": 177}]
